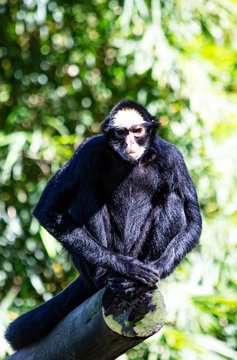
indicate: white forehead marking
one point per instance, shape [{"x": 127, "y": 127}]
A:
[{"x": 127, "y": 118}]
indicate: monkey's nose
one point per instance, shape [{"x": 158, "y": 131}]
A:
[{"x": 129, "y": 141}]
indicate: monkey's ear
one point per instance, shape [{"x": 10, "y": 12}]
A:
[
  {"x": 105, "y": 125},
  {"x": 155, "y": 122}
]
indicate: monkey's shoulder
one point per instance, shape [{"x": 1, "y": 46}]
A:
[
  {"x": 167, "y": 154},
  {"x": 84, "y": 163},
  {"x": 90, "y": 146},
  {"x": 89, "y": 151}
]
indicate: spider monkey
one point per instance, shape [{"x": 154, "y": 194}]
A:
[{"x": 124, "y": 207}]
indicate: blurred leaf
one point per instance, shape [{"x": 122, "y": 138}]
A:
[{"x": 50, "y": 243}]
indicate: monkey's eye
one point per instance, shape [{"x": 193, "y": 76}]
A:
[
  {"x": 139, "y": 131},
  {"x": 120, "y": 133}
]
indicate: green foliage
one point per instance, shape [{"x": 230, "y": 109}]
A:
[{"x": 63, "y": 66}]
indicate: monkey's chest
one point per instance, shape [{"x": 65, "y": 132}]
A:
[{"x": 129, "y": 209}]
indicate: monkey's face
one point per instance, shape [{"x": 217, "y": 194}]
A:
[
  {"x": 130, "y": 135},
  {"x": 131, "y": 142}
]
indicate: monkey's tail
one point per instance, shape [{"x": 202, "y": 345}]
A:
[{"x": 36, "y": 323}]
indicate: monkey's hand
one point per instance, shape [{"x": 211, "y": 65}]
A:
[
  {"x": 134, "y": 269},
  {"x": 125, "y": 288}
]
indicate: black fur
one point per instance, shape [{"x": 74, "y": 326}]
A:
[{"x": 126, "y": 224}]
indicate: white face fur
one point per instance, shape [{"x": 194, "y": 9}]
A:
[{"x": 129, "y": 118}]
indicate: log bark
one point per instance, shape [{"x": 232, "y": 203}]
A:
[{"x": 102, "y": 328}]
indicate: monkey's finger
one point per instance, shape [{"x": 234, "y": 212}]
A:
[
  {"x": 153, "y": 274},
  {"x": 146, "y": 266},
  {"x": 146, "y": 278},
  {"x": 119, "y": 285},
  {"x": 148, "y": 274},
  {"x": 122, "y": 290},
  {"x": 141, "y": 279},
  {"x": 119, "y": 280},
  {"x": 125, "y": 294},
  {"x": 151, "y": 269}
]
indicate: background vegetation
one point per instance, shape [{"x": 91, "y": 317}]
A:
[{"x": 63, "y": 66}]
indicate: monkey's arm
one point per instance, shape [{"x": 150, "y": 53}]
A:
[
  {"x": 52, "y": 212},
  {"x": 189, "y": 235}
]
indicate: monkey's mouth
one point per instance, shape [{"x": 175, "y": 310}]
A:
[{"x": 131, "y": 154}]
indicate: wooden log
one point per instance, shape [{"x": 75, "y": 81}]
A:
[{"x": 102, "y": 328}]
